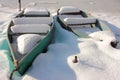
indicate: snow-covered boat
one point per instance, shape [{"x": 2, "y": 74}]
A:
[
  {"x": 79, "y": 22},
  {"x": 29, "y": 34}
]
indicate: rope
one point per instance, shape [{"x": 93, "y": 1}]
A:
[{"x": 16, "y": 69}]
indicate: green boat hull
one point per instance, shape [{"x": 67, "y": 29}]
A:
[
  {"x": 27, "y": 60},
  {"x": 101, "y": 25}
]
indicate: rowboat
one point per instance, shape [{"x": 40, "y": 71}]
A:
[
  {"x": 29, "y": 34},
  {"x": 80, "y": 23},
  {"x": 77, "y": 21}
]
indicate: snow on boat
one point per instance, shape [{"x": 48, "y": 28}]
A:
[
  {"x": 78, "y": 22},
  {"x": 29, "y": 34}
]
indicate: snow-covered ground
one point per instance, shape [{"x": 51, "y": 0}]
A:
[{"x": 96, "y": 60}]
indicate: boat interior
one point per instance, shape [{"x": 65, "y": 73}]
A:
[
  {"x": 27, "y": 29},
  {"x": 77, "y": 20}
]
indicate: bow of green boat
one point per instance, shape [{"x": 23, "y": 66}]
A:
[
  {"x": 28, "y": 35},
  {"x": 77, "y": 21}
]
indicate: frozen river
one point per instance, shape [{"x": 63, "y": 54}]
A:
[{"x": 107, "y": 6}]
